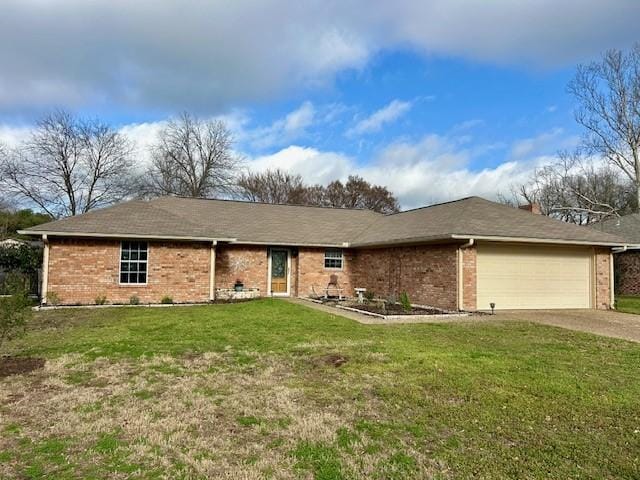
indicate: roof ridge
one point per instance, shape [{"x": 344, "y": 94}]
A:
[
  {"x": 436, "y": 205},
  {"x": 183, "y": 197}
]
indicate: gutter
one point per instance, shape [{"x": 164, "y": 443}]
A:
[
  {"x": 621, "y": 249},
  {"x": 490, "y": 238},
  {"x": 45, "y": 233}
]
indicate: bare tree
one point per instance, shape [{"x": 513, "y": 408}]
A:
[
  {"x": 358, "y": 193},
  {"x": 276, "y": 186},
  {"x": 576, "y": 190},
  {"x": 608, "y": 95},
  {"x": 69, "y": 166},
  {"x": 194, "y": 158},
  {"x": 272, "y": 186}
]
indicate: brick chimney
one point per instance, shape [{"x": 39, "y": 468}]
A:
[{"x": 532, "y": 207}]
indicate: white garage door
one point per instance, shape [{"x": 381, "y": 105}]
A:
[{"x": 533, "y": 277}]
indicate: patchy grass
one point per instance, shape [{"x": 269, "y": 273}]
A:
[
  {"x": 245, "y": 391},
  {"x": 628, "y": 304}
]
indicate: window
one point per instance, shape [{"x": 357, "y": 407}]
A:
[
  {"x": 133, "y": 262},
  {"x": 333, "y": 258}
]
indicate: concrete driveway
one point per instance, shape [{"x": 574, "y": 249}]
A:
[{"x": 601, "y": 322}]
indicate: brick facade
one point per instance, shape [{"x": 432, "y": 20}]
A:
[
  {"x": 627, "y": 272},
  {"x": 248, "y": 263},
  {"x": 311, "y": 276},
  {"x": 81, "y": 270},
  {"x": 469, "y": 257},
  {"x": 427, "y": 273},
  {"x": 602, "y": 279}
]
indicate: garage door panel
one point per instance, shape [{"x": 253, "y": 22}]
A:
[{"x": 533, "y": 277}]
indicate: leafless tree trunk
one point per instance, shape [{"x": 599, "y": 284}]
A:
[
  {"x": 193, "y": 158},
  {"x": 608, "y": 95},
  {"x": 69, "y": 166}
]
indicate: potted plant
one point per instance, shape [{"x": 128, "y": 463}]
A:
[{"x": 239, "y": 286}]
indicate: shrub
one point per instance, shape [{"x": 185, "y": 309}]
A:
[
  {"x": 134, "y": 300},
  {"x": 166, "y": 299},
  {"x": 405, "y": 302},
  {"x": 53, "y": 298},
  {"x": 15, "y": 311},
  {"x": 101, "y": 300},
  {"x": 369, "y": 295}
]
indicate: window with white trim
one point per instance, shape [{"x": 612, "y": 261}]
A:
[
  {"x": 133, "y": 262},
  {"x": 333, "y": 258}
]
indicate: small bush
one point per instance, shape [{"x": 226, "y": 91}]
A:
[
  {"x": 53, "y": 298},
  {"x": 369, "y": 295},
  {"x": 166, "y": 299},
  {"x": 134, "y": 300},
  {"x": 101, "y": 300},
  {"x": 15, "y": 311},
  {"x": 405, "y": 302}
]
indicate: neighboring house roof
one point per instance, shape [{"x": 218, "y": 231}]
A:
[
  {"x": 627, "y": 227},
  {"x": 247, "y": 222}
]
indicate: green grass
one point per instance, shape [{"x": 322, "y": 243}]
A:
[
  {"x": 628, "y": 304},
  {"x": 222, "y": 390}
]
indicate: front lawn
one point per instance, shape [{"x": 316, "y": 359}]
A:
[
  {"x": 269, "y": 389},
  {"x": 628, "y": 304}
]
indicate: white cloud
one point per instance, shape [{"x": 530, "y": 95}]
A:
[
  {"x": 208, "y": 55},
  {"x": 284, "y": 130},
  {"x": 12, "y": 136},
  {"x": 435, "y": 168},
  {"x": 375, "y": 121}
]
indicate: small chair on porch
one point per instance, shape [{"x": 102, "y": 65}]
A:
[{"x": 332, "y": 289}]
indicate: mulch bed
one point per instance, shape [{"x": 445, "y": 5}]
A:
[
  {"x": 19, "y": 365},
  {"x": 394, "y": 309}
]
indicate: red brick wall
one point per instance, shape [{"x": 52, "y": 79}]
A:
[
  {"x": 627, "y": 272},
  {"x": 248, "y": 263},
  {"x": 603, "y": 283},
  {"x": 81, "y": 270},
  {"x": 311, "y": 273},
  {"x": 428, "y": 273},
  {"x": 469, "y": 265}
]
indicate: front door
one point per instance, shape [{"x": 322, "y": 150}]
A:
[{"x": 279, "y": 272}]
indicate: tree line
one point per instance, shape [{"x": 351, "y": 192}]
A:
[{"x": 70, "y": 165}]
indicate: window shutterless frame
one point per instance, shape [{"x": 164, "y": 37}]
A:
[
  {"x": 333, "y": 259},
  {"x": 131, "y": 258}
]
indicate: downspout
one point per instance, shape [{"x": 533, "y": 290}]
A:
[
  {"x": 212, "y": 272},
  {"x": 45, "y": 271},
  {"x": 460, "y": 262}
]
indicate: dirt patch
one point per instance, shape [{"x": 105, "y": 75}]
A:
[
  {"x": 393, "y": 309},
  {"x": 19, "y": 365},
  {"x": 333, "y": 360}
]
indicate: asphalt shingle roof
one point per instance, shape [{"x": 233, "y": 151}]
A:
[
  {"x": 247, "y": 222},
  {"x": 627, "y": 227}
]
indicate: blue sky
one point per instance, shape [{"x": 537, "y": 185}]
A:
[{"x": 436, "y": 99}]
